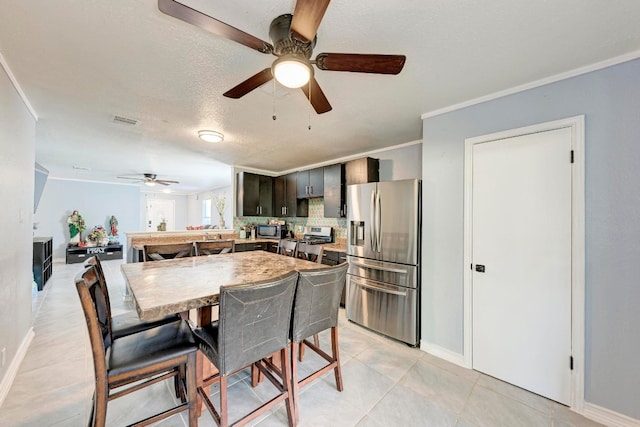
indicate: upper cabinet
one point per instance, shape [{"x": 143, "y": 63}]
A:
[
  {"x": 254, "y": 195},
  {"x": 361, "y": 171},
  {"x": 286, "y": 203},
  {"x": 334, "y": 191},
  {"x": 310, "y": 183}
]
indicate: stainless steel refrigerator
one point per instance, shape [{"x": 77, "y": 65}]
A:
[{"x": 383, "y": 247}]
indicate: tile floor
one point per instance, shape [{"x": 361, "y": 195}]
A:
[{"x": 386, "y": 383}]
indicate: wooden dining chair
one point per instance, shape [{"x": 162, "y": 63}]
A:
[
  {"x": 316, "y": 309},
  {"x": 167, "y": 251},
  {"x": 287, "y": 247},
  {"x": 127, "y": 323},
  {"x": 215, "y": 247},
  {"x": 137, "y": 360},
  {"x": 254, "y": 322},
  {"x": 311, "y": 253}
]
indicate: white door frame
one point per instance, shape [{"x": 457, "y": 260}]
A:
[{"x": 577, "y": 244}]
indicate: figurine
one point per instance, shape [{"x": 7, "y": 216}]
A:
[
  {"x": 113, "y": 224},
  {"x": 76, "y": 227}
]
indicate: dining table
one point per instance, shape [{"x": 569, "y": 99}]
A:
[{"x": 192, "y": 284}]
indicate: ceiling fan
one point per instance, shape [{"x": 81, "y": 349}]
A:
[
  {"x": 293, "y": 38},
  {"x": 150, "y": 179}
]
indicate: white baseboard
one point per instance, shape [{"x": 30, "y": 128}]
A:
[
  {"x": 608, "y": 417},
  {"x": 443, "y": 353},
  {"x": 11, "y": 373}
]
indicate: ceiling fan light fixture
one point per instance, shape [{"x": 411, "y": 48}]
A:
[
  {"x": 210, "y": 136},
  {"x": 149, "y": 183},
  {"x": 292, "y": 71}
]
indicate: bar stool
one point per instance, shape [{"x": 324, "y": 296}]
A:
[
  {"x": 311, "y": 253},
  {"x": 167, "y": 251},
  {"x": 254, "y": 323},
  {"x": 214, "y": 247},
  {"x": 315, "y": 310},
  {"x": 127, "y": 323},
  {"x": 141, "y": 359}
]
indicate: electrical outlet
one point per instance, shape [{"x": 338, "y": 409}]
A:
[{"x": 3, "y": 357}]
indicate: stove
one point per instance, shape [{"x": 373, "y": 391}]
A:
[{"x": 317, "y": 235}]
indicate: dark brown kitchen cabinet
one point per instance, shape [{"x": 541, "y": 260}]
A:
[
  {"x": 310, "y": 183},
  {"x": 254, "y": 195},
  {"x": 361, "y": 171},
  {"x": 251, "y": 246},
  {"x": 286, "y": 203},
  {"x": 334, "y": 191}
]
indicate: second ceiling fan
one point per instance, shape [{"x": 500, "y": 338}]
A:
[{"x": 293, "y": 38}]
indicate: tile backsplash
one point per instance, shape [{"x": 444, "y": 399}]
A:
[{"x": 316, "y": 217}]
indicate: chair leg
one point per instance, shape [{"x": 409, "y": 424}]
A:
[
  {"x": 285, "y": 366},
  {"x": 294, "y": 379},
  {"x": 335, "y": 352},
  {"x": 192, "y": 393},
  {"x": 224, "y": 416},
  {"x": 99, "y": 412}
]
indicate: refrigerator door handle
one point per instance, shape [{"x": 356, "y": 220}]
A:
[
  {"x": 375, "y": 267},
  {"x": 377, "y": 288},
  {"x": 378, "y": 223},
  {"x": 372, "y": 223}
]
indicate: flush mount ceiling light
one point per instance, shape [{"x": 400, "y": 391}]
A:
[
  {"x": 210, "y": 136},
  {"x": 292, "y": 71}
]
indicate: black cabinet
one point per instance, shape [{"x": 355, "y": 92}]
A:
[
  {"x": 361, "y": 171},
  {"x": 42, "y": 260},
  {"x": 310, "y": 183},
  {"x": 335, "y": 258},
  {"x": 286, "y": 203},
  {"x": 334, "y": 191},
  {"x": 77, "y": 254},
  {"x": 254, "y": 195},
  {"x": 251, "y": 246}
]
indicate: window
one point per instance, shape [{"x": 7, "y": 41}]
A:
[{"x": 206, "y": 212}]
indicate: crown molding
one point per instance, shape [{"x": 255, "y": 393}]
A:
[{"x": 16, "y": 85}]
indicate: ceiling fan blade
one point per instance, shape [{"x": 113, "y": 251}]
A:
[
  {"x": 306, "y": 18},
  {"x": 206, "y": 22},
  {"x": 318, "y": 100},
  {"x": 250, "y": 84},
  {"x": 165, "y": 182},
  {"x": 361, "y": 63}
]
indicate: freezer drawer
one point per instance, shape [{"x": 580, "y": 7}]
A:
[
  {"x": 385, "y": 272},
  {"x": 388, "y": 309}
]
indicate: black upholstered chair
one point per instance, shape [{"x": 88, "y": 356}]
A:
[
  {"x": 309, "y": 252},
  {"x": 215, "y": 247},
  {"x": 316, "y": 309},
  {"x": 254, "y": 322},
  {"x": 287, "y": 247},
  {"x": 168, "y": 251},
  {"x": 137, "y": 360},
  {"x": 127, "y": 323}
]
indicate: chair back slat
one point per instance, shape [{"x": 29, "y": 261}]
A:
[
  {"x": 168, "y": 251},
  {"x": 309, "y": 252},
  {"x": 287, "y": 247},
  {"x": 254, "y": 321},
  {"x": 317, "y": 300},
  {"x": 215, "y": 247}
]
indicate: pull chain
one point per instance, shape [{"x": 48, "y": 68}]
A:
[
  {"x": 274, "y": 99},
  {"x": 310, "y": 104}
]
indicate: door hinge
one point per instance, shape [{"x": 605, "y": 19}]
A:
[
  {"x": 572, "y": 156},
  {"x": 571, "y": 363}
]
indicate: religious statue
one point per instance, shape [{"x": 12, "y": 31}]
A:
[
  {"x": 76, "y": 227},
  {"x": 113, "y": 224}
]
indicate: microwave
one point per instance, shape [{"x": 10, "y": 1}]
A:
[{"x": 271, "y": 231}]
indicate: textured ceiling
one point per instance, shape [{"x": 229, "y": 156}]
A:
[{"x": 79, "y": 62}]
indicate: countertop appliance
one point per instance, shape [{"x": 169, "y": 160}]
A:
[
  {"x": 383, "y": 248},
  {"x": 317, "y": 235},
  {"x": 272, "y": 231}
]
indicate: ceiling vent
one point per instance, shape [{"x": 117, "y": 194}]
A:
[{"x": 125, "y": 120}]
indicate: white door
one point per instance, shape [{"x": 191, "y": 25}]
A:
[
  {"x": 521, "y": 255},
  {"x": 159, "y": 210}
]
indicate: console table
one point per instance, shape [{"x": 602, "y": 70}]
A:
[{"x": 77, "y": 254}]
